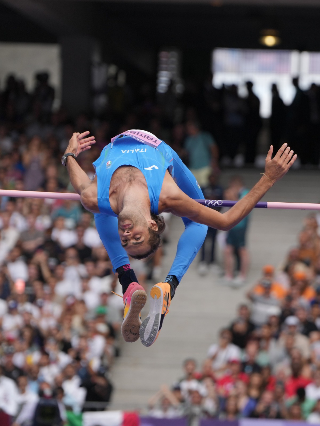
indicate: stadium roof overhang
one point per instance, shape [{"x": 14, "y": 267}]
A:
[{"x": 148, "y": 25}]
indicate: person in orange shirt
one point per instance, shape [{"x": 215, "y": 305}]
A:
[
  {"x": 301, "y": 281},
  {"x": 277, "y": 290}
]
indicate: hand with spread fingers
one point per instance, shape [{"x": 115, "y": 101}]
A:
[
  {"x": 80, "y": 142},
  {"x": 278, "y": 166}
]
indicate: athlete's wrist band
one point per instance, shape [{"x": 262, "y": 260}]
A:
[
  {"x": 173, "y": 281},
  {"x": 65, "y": 157}
]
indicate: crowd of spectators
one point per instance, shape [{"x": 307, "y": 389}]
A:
[
  {"x": 232, "y": 121},
  {"x": 60, "y": 320},
  {"x": 266, "y": 363}
]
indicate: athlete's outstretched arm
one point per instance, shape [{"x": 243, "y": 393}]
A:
[
  {"x": 276, "y": 168},
  {"x": 77, "y": 144}
]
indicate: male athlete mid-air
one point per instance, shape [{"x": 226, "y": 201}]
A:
[{"x": 138, "y": 177}]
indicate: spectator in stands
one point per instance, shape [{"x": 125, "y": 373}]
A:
[
  {"x": 306, "y": 404},
  {"x": 300, "y": 341},
  {"x": 25, "y": 395},
  {"x": 234, "y": 122},
  {"x": 9, "y": 236},
  {"x": 277, "y": 290},
  {"x": 8, "y": 399},
  {"x": 250, "y": 365},
  {"x": 98, "y": 388},
  {"x": 202, "y": 150},
  {"x": 34, "y": 161},
  {"x": 277, "y": 118},
  {"x": 297, "y": 379},
  {"x": 313, "y": 389},
  {"x": 231, "y": 411},
  {"x": 12, "y": 321},
  {"x": 9, "y": 368},
  {"x": 207, "y": 370},
  {"x": 314, "y": 417},
  {"x": 253, "y": 123},
  {"x": 43, "y": 94},
  {"x": 83, "y": 250},
  {"x": 242, "y": 327},
  {"x": 190, "y": 379},
  {"x": 302, "y": 283},
  {"x": 264, "y": 304},
  {"x": 306, "y": 326},
  {"x": 196, "y": 408},
  {"x": 91, "y": 237},
  {"x": 265, "y": 407},
  {"x": 46, "y": 408},
  {"x": 62, "y": 235},
  {"x": 315, "y": 348},
  {"x": 223, "y": 352},
  {"x": 16, "y": 265},
  {"x": 227, "y": 383},
  {"x": 236, "y": 238},
  {"x": 72, "y": 387},
  {"x": 32, "y": 238},
  {"x": 211, "y": 191},
  {"x": 164, "y": 405},
  {"x": 298, "y": 113}
]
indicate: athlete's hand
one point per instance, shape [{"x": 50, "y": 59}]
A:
[
  {"x": 80, "y": 142},
  {"x": 278, "y": 166}
]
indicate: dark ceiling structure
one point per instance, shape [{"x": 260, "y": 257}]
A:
[{"x": 125, "y": 26}]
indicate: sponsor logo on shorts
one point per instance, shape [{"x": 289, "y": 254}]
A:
[{"x": 108, "y": 164}]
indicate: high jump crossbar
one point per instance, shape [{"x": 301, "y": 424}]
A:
[{"x": 208, "y": 203}]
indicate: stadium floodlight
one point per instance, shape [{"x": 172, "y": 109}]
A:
[{"x": 270, "y": 38}]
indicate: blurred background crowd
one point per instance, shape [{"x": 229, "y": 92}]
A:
[
  {"x": 266, "y": 363},
  {"x": 59, "y": 317},
  {"x": 60, "y": 310}
]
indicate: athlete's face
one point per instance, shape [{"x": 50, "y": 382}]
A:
[{"x": 134, "y": 235}]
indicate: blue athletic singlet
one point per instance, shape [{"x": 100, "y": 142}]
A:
[
  {"x": 152, "y": 161},
  {"x": 126, "y": 151}
]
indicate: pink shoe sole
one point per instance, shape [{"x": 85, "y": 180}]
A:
[{"x": 131, "y": 324}]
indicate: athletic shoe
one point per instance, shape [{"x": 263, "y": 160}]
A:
[
  {"x": 226, "y": 280},
  {"x": 203, "y": 268},
  {"x": 160, "y": 302},
  {"x": 134, "y": 300},
  {"x": 215, "y": 269},
  {"x": 238, "y": 281}
]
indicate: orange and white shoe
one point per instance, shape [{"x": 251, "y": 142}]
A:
[
  {"x": 134, "y": 300},
  {"x": 160, "y": 302}
]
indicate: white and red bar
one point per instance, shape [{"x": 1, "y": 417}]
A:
[{"x": 208, "y": 203}]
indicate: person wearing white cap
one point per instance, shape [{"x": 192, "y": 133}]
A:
[
  {"x": 291, "y": 321},
  {"x": 301, "y": 342}
]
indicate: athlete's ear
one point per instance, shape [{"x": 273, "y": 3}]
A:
[{"x": 153, "y": 225}]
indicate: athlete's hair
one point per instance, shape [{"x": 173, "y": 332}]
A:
[{"x": 154, "y": 237}]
